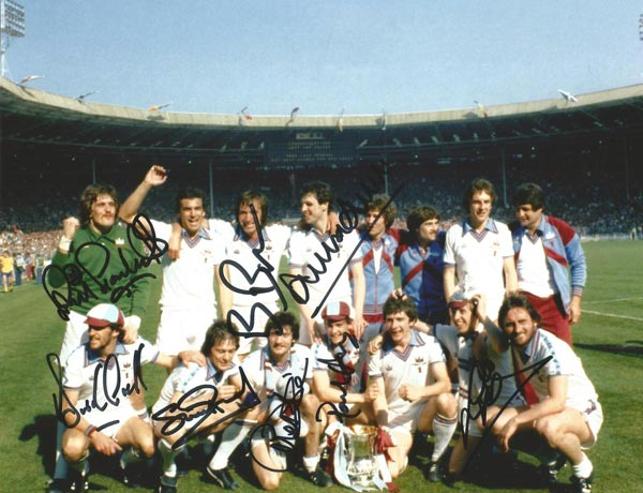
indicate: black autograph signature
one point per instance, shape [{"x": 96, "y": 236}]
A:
[
  {"x": 185, "y": 411},
  {"x": 491, "y": 383},
  {"x": 76, "y": 274},
  {"x": 348, "y": 221},
  {"x": 111, "y": 396},
  {"x": 287, "y": 411},
  {"x": 338, "y": 366}
]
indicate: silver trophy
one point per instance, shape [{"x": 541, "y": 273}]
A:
[{"x": 362, "y": 468}]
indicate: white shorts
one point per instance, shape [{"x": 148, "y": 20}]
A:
[
  {"x": 122, "y": 413},
  {"x": 592, "y": 413},
  {"x": 181, "y": 330},
  {"x": 249, "y": 344},
  {"x": 406, "y": 420},
  {"x": 76, "y": 333}
]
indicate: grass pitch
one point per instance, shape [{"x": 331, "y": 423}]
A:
[{"x": 609, "y": 339}]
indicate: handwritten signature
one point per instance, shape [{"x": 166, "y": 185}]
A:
[
  {"x": 348, "y": 221},
  {"x": 178, "y": 414},
  {"x": 491, "y": 383},
  {"x": 76, "y": 274},
  {"x": 338, "y": 366},
  {"x": 111, "y": 394},
  {"x": 287, "y": 410}
]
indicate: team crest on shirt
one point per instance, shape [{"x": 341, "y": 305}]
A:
[
  {"x": 389, "y": 368},
  {"x": 120, "y": 242}
]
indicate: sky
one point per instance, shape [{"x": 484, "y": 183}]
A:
[{"x": 325, "y": 57}]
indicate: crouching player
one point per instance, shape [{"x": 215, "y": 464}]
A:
[
  {"x": 339, "y": 370},
  {"x": 281, "y": 373},
  {"x": 466, "y": 347},
  {"x": 201, "y": 400},
  {"x": 413, "y": 387},
  {"x": 98, "y": 379},
  {"x": 562, "y": 404}
]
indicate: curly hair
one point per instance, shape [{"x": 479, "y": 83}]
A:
[
  {"x": 395, "y": 305},
  {"x": 89, "y": 196},
  {"x": 279, "y": 320}
]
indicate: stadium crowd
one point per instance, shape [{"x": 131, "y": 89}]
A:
[{"x": 361, "y": 360}]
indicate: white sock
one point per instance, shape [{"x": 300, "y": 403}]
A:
[
  {"x": 584, "y": 468},
  {"x": 232, "y": 436},
  {"x": 168, "y": 454},
  {"x": 443, "y": 429},
  {"x": 310, "y": 463},
  {"x": 60, "y": 470}
]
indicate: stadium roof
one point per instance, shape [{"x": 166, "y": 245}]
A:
[{"x": 35, "y": 118}]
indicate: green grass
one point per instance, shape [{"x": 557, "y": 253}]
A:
[{"x": 607, "y": 344}]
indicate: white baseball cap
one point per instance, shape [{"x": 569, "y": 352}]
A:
[{"x": 105, "y": 314}]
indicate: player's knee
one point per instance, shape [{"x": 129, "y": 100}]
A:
[
  {"x": 269, "y": 482},
  {"x": 497, "y": 426},
  {"x": 447, "y": 405},
  {"x": 74, "y": 450},
  {"x": 309, "y": 404},
  {"x": 393, "y": 469},
  {"x": 147, "y": 447},
  {"x": 548, "y": 431}
]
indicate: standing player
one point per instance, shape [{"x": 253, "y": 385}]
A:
[
  {"x": 422, "y": 265},
  {"x": 244, "y": 306},
  {"x": 547, "y": 251},
  {"x": 562, "y": 404},
  {"x": 188, "y": 303},
  {"x": 106, "y": 248},
  {"x": 377, "y": 250},
  {"x": 282, "y": 372},
  {"x": 413, "y": 387},
  {"x": 478, "y": 251},
  {"x": 323, "y": 258},
  {"x": 98, "y": 378}
]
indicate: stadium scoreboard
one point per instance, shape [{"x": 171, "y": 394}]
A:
[{"x": 313, "y": 148}]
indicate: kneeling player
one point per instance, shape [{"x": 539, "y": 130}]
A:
[
  {"x": 194, "y": 389},
  {"x": 282, "y": 373},
  {"x": 98, "y": 379},
  {"x": 339, "y": 371},
  {"x": 467, "y": 348},
  {"x": 562, "y": 404},
  {"x": 413, "y": 386}
]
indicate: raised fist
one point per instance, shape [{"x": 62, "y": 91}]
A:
[
  {"x": 156, "y": 175},
  {"x": 70, "y": 225}
]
